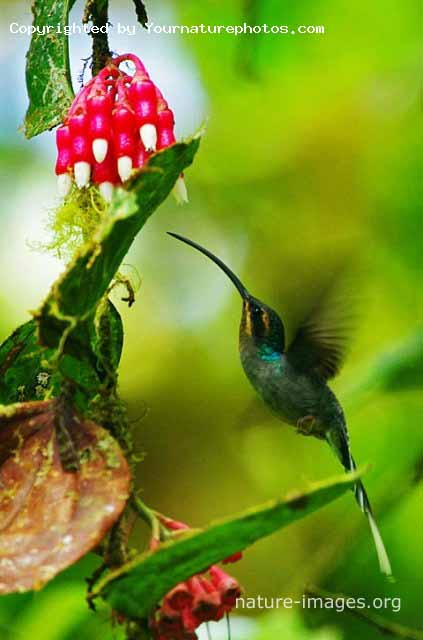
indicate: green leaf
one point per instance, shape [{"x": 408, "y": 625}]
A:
[
  {"x": 138, "y": 586},
  {"x": 77, "y": 293},
  {"x": 290, "y": 625},
  {"x": 399, "y": 369},
  {"x": 20, "y": 365},
  {"x": 141, "y": 12},
  {"x": 91, "y": 356},
  {"x": 48, "y": 77}
]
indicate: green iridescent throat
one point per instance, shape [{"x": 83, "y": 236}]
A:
[{"x": 268, "y": 354}]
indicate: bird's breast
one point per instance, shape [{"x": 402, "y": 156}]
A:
[{"x": 288, "y": 393}]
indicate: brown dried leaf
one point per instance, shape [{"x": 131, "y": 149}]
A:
[{"x": 49, "y": 517}]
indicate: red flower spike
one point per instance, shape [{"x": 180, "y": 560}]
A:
[
  {"x": 103, "y": 130},
  {"x": 202, "y": 598}
]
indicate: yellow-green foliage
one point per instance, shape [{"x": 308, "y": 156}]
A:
[{"x": 74, "y": 221}]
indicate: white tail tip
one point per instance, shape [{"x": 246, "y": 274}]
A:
[
  {"x": 124, "y": 167},
  {"x": 148, "y": 134},
  {"x": 384, "y": 563},
  {"x": 64, "y": 184},
  {"x": 106, "y": 190},
  {"x": 82, "y": 172},
  {"x": 180, "y": 191},
  {"x": 100, "y": 146}
]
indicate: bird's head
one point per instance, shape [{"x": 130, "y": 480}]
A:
[{"x": 260, "y": 324}]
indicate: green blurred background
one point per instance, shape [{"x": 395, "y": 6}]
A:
[{"x": 312, "y": 150}]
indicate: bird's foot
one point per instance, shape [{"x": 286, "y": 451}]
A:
[{"x": 305, "y": 425}]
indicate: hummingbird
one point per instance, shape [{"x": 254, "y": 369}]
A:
[{"x": 293, "y": 379}]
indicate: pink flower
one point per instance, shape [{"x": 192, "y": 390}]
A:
[
  {"x": 204, "y": 597},
  {"x": 114, "y": 124}
]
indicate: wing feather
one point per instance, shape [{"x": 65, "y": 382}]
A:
[{"x": 321, "y": 339}]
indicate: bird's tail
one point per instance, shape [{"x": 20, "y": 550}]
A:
[{"x": 338, "y": 441}]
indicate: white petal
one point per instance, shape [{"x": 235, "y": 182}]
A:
[
  {"x": 64, "y": 184},
  {"x": 148, "y": 133},
  {"x": 100, "y": 146},
  {"x": 82, "y": 172},
  {"x": 106, "y": 190},
  {"x": 124, "y": 167},
  {"x": 180, "y": 191}
]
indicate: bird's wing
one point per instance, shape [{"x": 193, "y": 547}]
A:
[{"x": 321, "y": 339}]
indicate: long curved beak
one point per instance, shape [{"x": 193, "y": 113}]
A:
[{"x": 237, "y": 282}]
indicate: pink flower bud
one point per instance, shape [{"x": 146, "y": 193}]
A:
[
  {"x": 100, "y": 102},
  {"x": 142, "y": 96},
  {"x": 106, "y": 171},
  {"x": 81, "y": 149},
  {"x": 165, "y": 138},
  {"x": 64, "y": 161},
  {"x": 207, "y": 602},
  {"x": 170, "y": 620},
  {"x": 180, "y": 597},
  {"x": 141, "y": 156},
  {"x": 123, "y": 119},
  {"x": 161, "y": 102},
  {"x": 78, "y": 123},
  {"x": 226, "y": 585},
  {"x": 165, "y": 123},
  {"x": 100, "y": 125},
  {"x": 63, "y": 143},
  {"x": 191, "y": 622},
  {"x": 233, "y": 558},
  {"x": 63, "y": 137},
  {"x": 124, "y": 144},
  {"x": 166, "y": 119}
]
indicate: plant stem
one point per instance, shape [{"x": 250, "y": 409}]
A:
[
  {"x": 97, "y": 12},
  {"x": 149, "y": 517}
]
